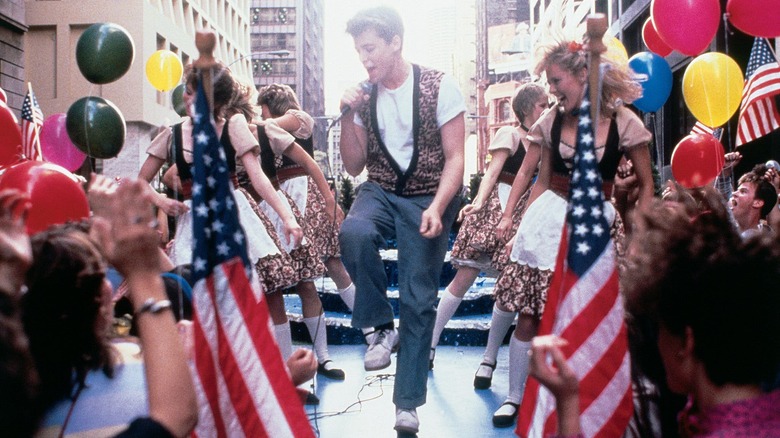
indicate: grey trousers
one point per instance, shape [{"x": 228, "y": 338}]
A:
[{"x": 375, "y": 216}]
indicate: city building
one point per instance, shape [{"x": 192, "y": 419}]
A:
[
  {"x": 502, "y": 56},
  {"x": 287, "y": 48},
  {"x": 50, "y": 63},
  {"x": 12, "y": 29}
]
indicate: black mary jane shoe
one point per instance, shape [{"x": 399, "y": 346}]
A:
[
  {"x": 311, "y": 399},
  {"x": 484, "y": 382},
  {"x": 505, "y": 420},
  {"x": 331, "y": 373}
]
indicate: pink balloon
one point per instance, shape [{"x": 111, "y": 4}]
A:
[
  {"x": 687, "y": 26},
  {"x": 759, "y": 18},
  {"x": 653, "y": 41},
  {"x": 56, "y": 146}
]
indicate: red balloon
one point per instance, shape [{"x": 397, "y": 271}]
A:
[
  {"x": 55, "y": 195},
  {"x": 697, "y": 160},
  {"x": 3, "y": 96},
  {"x": 687, "y": 26},
  {"x": 759, "y": 18},
  {"x": 653, "y": 41},
  {"x": 11, "y": 137}
]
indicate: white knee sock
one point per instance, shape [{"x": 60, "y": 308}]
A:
[
  {"x": 499, "y": 325},
  {"x": 518, "y": 368},
  {"x": 316, "y": 326},
  {"x": 348, "y": 296},
  {"x": 447, "y": 306},
  {"x": 283, "y": 339}
]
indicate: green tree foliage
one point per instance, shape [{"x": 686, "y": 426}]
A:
[
  {"x": 476, "y": 180},
  {"x": 346, "y": 194}
]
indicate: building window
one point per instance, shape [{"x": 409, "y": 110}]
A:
[
  {"x": 282, "y": 15},
  {"x": 273, "y": 16},
  {"x": 273, "y": 67},
  {"x": 265, "y": 42}
]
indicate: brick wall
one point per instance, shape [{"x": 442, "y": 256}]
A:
[{"x": 12, "y": 29}]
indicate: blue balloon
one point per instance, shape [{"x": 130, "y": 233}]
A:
[{"x": 655, "y": 77}]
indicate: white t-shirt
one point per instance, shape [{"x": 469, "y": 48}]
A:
[{"x": 394, "y": 115}]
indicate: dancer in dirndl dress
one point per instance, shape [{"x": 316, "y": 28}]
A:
[
  {"x": 477, "y": 242},
  {"x": 322, "y": 214},
  {"x": 176, "y": 144},
  {"x": 523, "y": 284}
]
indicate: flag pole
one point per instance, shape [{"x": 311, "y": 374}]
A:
[
  {"x": 37, "y": 144},
  {"x": 772, "y": 49},
  {"x": 596, "y": 27},
  {"x": 205, "y": 42}
]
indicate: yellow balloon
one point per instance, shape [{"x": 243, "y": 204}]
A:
[
  {"x": 616, "y": 52},
  {"x": 712, "y": 88},
  {"x": 163, "y": 70}
]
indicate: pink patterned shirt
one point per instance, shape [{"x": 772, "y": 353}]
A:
[{"x": 754, "y": 418}]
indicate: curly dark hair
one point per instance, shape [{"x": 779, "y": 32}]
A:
[
  {"x": 63, "y": 311},
  {"x": 765, "y": 191},
  {"x": 225, "y": 86},
  {"x": 18, "y": 378},
  {"x": 689, "y": 268},
  {"x": 240, "y": 103}
]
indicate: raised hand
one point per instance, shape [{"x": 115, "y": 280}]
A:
[
  {"x": 126, "y": 229},
  {"x": 15, "y": 251},
  {"x": 99, "y": 194}
]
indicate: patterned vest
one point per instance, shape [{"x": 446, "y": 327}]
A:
[{"x": 424, "y": 172}]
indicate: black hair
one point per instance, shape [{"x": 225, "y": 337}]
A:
[{"x": 690, "y": 269}]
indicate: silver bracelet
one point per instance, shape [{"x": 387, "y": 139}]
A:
[{"x": 152, "y": 306}]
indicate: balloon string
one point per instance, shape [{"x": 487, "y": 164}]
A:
[
  {"x": 659, "y": 147},
  {"x": 90, "y": 94},
  {"x": 726, "y": 32}
]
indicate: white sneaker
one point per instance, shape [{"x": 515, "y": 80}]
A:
[
  {"x": 406, "y": 420},
  {"x": 378, "y": 353}
]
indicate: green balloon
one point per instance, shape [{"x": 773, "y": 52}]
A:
[
  {"x": 104, "y": 52},
  {"x": 96, "y": 127},
  {"x": 177, "y": 99}
]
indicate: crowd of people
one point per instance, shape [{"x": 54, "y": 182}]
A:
[{"x": 698, "y": 270}]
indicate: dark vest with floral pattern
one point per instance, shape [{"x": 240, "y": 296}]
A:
[{"x": 425, "y": 169}]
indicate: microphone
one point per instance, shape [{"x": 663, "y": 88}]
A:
[
  {"x": 367, "y": 88},
  {"x": 772, "y": 164}
]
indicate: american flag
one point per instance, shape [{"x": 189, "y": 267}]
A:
[
  {"x": 758, "y": 113},
  {"x": 701, "y": 128},
  {"x": 242, "y": 385},
  {"x": 32, "y": 121},
  {"x": 585, "y": 308}
]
